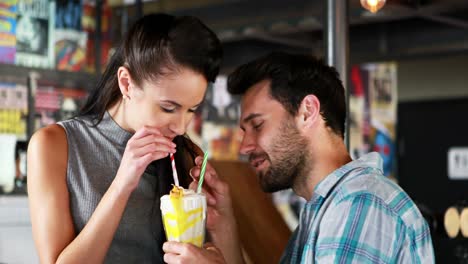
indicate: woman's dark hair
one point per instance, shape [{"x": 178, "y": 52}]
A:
[
  {"x": 155, "y": 45},
  {"x": 293, "y": 77},
  {"x": 158, "y": 44}
]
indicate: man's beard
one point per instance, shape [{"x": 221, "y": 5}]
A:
[{"x": 287, "y": 157}]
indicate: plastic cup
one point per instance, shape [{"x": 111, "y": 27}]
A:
[{"x": 184, "y": 217}]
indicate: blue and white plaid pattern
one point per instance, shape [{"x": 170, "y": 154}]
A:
[{"x": 356, "y": 215}]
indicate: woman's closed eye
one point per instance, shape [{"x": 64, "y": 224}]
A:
[
  {"x": 168, "y": 109},
  {"x": 193, "y": 110}
]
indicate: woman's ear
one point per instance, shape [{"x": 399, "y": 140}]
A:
[
  {"x": 124, "y": 80},
  {"x": 308, "y": 112}
]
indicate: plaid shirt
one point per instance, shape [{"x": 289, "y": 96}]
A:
[{"x": 356, "y": 215}]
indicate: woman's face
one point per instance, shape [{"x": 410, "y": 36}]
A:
[{"x": 168, "y": 103}]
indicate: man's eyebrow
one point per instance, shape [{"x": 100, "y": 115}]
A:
[
  {"x": 171, "y": 102},
  {"x": 250, "y": 117}
]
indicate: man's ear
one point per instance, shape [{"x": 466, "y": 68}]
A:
[
  {"x": 309, "y": 111},
  {"x": 125, "y": 81}
]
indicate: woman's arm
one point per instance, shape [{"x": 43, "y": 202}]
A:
[
  {"x": 48, "y": 194},
  {"x": 52, "y": 224}
]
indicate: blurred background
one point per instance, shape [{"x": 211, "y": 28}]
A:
[{"x": 404, "y": 64}]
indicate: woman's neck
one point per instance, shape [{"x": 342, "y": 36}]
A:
[{"x": 118, "y": 114}]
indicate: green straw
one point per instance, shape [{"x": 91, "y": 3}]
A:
[{"x": 202, "y": 173}]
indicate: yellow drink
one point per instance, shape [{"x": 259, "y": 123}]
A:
[{"x": 184, "y": 215}]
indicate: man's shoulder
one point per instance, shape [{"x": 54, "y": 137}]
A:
[
  {"x": 381, "y": 192},
  {"x": 368, "y": 182}
]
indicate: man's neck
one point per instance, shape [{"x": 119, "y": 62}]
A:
[{"x": 323, "y": 161}]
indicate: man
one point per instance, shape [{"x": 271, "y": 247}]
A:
[{"x": 293, "y": 118}]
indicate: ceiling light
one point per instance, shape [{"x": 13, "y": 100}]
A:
[{"x": 373, "y": 5}]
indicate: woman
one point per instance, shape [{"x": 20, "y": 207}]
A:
[{"x": 94, "y": 181}]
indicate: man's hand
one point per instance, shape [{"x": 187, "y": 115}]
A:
[
  {"x": 221, "y": 223},
  {"x": 220, "y": 212},
  {"x": 187, "y": 253}
]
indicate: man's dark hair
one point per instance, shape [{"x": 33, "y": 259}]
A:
[{"x": 292, "y": 77}]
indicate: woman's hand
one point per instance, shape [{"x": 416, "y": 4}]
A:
[
  {"x": 187, "y": 253},
  {"x": 146, "y": 145}
]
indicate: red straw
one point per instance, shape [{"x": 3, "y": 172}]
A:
[{"x": 174, "y": 171}]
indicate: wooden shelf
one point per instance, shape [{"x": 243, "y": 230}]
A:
[{"x": 19, "y": 74}]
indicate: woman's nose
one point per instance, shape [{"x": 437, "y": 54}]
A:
[{"x": 179, "y": 125}]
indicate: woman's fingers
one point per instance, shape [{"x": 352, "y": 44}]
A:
[
  {"x": 152, "y": 138},
  {"x": 148, "y": 158},
  {"x": 153, "y": 147},
  {"x": 146, "y": 130}
]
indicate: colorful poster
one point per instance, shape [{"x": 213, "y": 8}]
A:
[
  {"x": 383, "y": 93},
  {"x": 89, "y": 26},
  {"x": 373, "y": 107},
  {"x": 70, "y": 49},
  {"x": 34, "y": 33},
  {"x": 68, "y": 14},
  {"x": 13, "y": 109},
  {"x": 358, "y": 119},
  {"x": 383, "y": 107},
  {"x": 8, "y": 10}
]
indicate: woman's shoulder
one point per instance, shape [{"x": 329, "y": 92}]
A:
[
  {"x": 50, "y": 133},
  {"x": 52, "y": 136}
]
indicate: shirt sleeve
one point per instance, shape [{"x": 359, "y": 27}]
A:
[{"x": 359, "y": 229}]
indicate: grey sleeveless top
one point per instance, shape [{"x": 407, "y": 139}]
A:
[{"x": 94, "y": 155}]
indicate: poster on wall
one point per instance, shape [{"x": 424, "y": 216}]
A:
[
  {"x": 358, "y": 113},
  {"x": 88, "y": 23},
  {"x": 70, "y": 49},
  {"x": 373, "y": 107},
  {"x": 69, "y": 41},
  {"x": 68, "y": 14},
  {"x": 13, "y": 109},
  {"x": 8, "y": 9},
  {"x": 34, "y": 33}
]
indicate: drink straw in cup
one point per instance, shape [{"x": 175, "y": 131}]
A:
[
  {"x": 202, "y": 172},
  {"x": 174, "y": 171}
]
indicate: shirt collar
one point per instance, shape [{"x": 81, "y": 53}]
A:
[{"x": 372, "y": 160}]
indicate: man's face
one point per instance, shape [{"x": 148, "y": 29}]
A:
[{"x": 277, "y": 151}]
